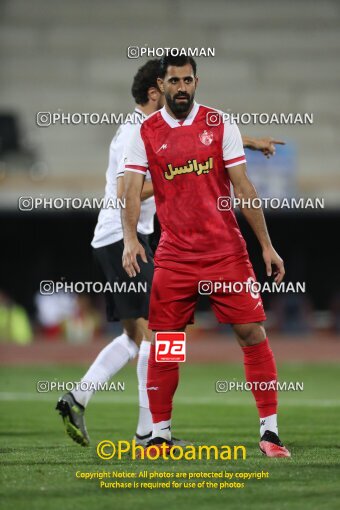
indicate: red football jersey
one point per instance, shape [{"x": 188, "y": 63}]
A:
[{"x": 187, "y": 161}]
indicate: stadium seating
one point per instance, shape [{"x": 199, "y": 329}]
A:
[{"x": 71, "y": 55}]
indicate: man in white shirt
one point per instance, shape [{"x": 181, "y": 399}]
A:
[{"x": 130, "y": 308}]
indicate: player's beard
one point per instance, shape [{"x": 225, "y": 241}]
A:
[{"x": 179, "y": 109}]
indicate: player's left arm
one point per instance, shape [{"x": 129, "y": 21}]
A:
[
  {"x": 234, "y": 161},
  {"x": 246, "y": 192},
  {"x": 266, "y": 145}
]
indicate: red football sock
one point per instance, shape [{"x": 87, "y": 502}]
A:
[
  {"x": 161, "y": 385},
  {"x": 259, "y": 366}
]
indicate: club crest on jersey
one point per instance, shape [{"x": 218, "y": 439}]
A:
[{"x": 206, "y": 137}]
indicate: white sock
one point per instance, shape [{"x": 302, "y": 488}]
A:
[
  {"x": 144, "y": 425},
  {"x": 269, "y": 423},
  {"x": 108, "y": 362},
  {"x": 162, "y": 429}
]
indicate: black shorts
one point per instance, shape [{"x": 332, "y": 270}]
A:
[{"x": 130, "y": 297}]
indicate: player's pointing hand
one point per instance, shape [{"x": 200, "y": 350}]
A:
[
  {"x": 267, "y": 145},
  {"x": 131, "y": 250},
  {"x": 272, "y": 258},
  {"x": 269, "y": 148}
]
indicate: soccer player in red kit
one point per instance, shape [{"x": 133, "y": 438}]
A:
[{"x": 194, "y": 154}]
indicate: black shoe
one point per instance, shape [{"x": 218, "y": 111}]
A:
[
  {"x": 158, "y": 441},
  {"x": 143, "y": 440},
  {"x": 72, "y": 414}
]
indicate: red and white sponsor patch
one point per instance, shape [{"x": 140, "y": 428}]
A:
[{"x": 170, "y": 346}]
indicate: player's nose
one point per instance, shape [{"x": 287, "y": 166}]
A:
[{"x": 182, "y": 86}]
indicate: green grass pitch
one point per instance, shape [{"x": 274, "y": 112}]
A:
[{"x": 39, "y": 461}]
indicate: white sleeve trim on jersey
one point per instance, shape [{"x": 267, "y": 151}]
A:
[
  {"x": 233, "y": 151},
  {"x": 135, "y": 154},
  {"x": 128, "y": 169},
  {"x": 119, "y": 144}
]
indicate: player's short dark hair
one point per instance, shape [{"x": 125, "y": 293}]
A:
[
  {"x": 145, "y": 78},
  {"x": 179, "y": 61}
]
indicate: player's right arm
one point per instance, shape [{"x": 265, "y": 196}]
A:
[
  {"x": 130, "y": 215},
  {"x": 147, "y": 190},
  {"x": 136, "y": 166}
]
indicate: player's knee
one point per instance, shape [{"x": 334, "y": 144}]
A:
[{"x": 249, "y": 334}]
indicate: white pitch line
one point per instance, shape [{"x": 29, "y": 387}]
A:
[{"x": 129, "y": 399}]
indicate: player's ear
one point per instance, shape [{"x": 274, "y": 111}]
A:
[
  {"x": 160, "y": 84},
  {"x": 153, "y": 94},
  {"x": 196, "y": 81}
]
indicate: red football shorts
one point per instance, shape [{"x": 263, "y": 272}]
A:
[{"x": 229, "y": 283}]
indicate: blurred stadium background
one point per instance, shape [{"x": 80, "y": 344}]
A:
[{"x": 71, "y": 56}]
